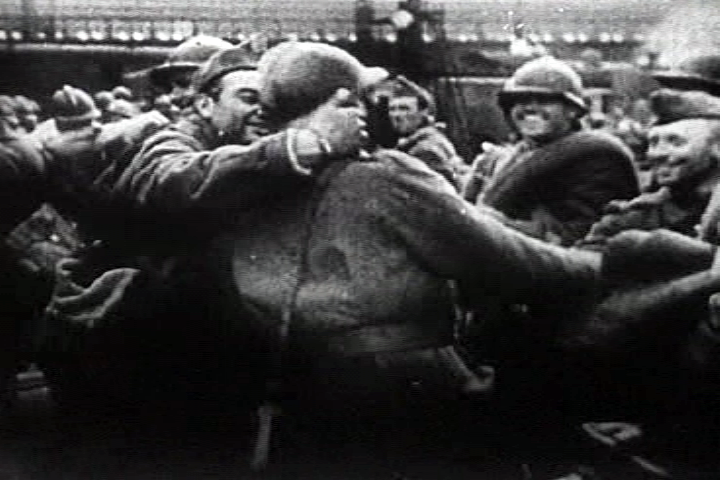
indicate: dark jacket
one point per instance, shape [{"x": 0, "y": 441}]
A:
[
  {"x": 161, "y": 203},
  {"x": 22, "y": 179},
  {"x": 558, "y": 191},
  {"x": 182, "y": 170},
  {"x": 22, "y": 186},
  {"x": 430, "y": 145},
  {"x": 80, "y": 188},
  {"x": 361, "y": 263}
]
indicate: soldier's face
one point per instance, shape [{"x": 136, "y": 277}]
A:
[
  {"x": 406, "y": 115},
  {"x": 543, "y": 120},
  {"x": 237, "y": 110},
  {"x": 179, "y": 84},
  {"x": 343, "y": 117},
  {"x": 682, "y": 151}
]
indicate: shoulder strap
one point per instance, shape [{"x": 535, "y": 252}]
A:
[{"x": 270, "y": 407}]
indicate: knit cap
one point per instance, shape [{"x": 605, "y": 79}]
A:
[
  {"x": 221, "y": 63},
  {"x": 300, "y": 76}
]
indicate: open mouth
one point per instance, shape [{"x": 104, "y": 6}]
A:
[
  {"x": 532, "y": 121},
  {"x": 531, "y": 116}
]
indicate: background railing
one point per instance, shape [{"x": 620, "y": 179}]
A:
[{"x": 170, "y": 21}]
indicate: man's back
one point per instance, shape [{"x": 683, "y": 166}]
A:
[{"x": 377, "y": 243}]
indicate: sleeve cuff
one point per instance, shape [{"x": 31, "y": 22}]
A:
[{"x": 292, "y": 154}]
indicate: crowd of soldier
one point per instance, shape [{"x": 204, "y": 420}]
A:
[{"x": 543, "y": 270}]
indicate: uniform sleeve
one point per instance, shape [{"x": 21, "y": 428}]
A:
[
  {"x": 434, "y": 157},
  {"x": 172, "y": 173},
  {"x": 457, "y": 240}
]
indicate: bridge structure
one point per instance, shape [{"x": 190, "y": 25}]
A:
[{"x": 480, "y": 25}]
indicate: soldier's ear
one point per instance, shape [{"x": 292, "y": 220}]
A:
[{"x": 204, "y": 106}]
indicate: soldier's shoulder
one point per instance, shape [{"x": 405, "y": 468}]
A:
[
  {"x": 594, "y": 145},
  {"x": 392, "y": 167},
  {"x": 21, "y": 153},
  {"x": 393, "y": 162},
  {"x": 599, "y": 141}
]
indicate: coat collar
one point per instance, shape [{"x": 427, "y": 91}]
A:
[{"x": 423, "y": 133}]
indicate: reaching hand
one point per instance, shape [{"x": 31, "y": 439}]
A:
[
  {"x": 340, "y": 122},
  {"x": 73, "y": 144}
]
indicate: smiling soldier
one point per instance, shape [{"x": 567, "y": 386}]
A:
[
  {"x": 411, "y": 109},
  {"x": 554, "y": 183},
  {"x": 684, "y": 148}
]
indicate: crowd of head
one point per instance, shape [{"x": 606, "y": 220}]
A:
[{"x": 346, "y": 220}]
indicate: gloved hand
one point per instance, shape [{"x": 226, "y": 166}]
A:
[{"x": 640, "y": 213}]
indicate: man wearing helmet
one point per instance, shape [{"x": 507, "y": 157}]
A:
[
  {"x": 174, "y": 76},
  {"x": 554, "y": 183},
  {"x": 411, "y": 109},
  {"x": 355, "y": 267},
  {"x": 175, "y": 189},
  {"x": 700, "y": 72}
]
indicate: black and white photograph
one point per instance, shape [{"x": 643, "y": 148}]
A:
[{"x": 360, "y": 239}]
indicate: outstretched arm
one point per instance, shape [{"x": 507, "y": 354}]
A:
[
  {"x": 460, "y": 241},
  {"x": 172, "y": 173}
]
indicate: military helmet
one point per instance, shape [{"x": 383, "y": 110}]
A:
[
  {"x": 73, "y": 108},
  {"x": 188, "y": 56},
  {"x": 695, "y": 73},
  {"x": 543, "y": 77},
  {"x": 8, "y": 106},
  {"x": 670, "y": 105},
  {"x": 103, "y": 98},
  {"x": 221, "y": 63}
]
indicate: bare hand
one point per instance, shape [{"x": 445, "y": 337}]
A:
[{"x": 340, "y": 122}]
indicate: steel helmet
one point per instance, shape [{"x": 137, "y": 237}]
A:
[
  {"x": 671, "y": 105},
  {"x": 546, "y": 77},
  {"x": 223, "y": 62},
  {"x": 694, "y": 73},
  {"x": 74, "y": 108},
  {"x": 188, "y": 56}
]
